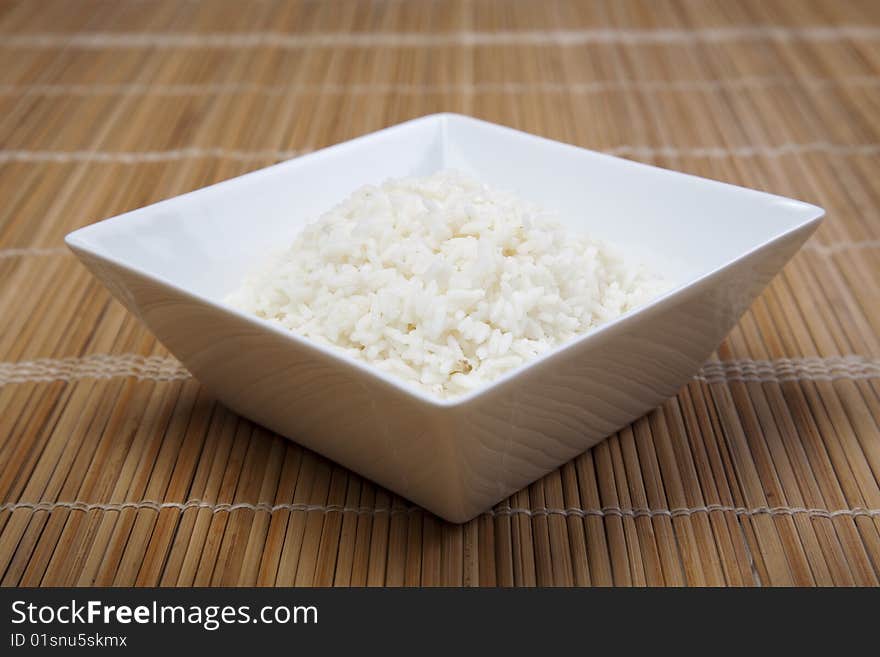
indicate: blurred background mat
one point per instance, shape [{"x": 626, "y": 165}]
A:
[{"x": 117, "y": 468}]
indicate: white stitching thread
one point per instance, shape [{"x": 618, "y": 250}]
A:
[
  {"x": 594, "y": 86},
  {"x": 613, "y": 511},
  {"x": 790, "y": 369},
  {"x": 97, "y": 366},
  {"x": 158, "y": 368},
  {"x": 838, "y": 247},
  {"x": 563, "y": 38},
  {"x": 33, "y": 251},
  {"x": 626, "y": 150},
  {"x": 137, "y": 157},
  {"x": 745, "y": 151}
]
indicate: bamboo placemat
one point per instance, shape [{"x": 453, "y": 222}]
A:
[{"x": 117, "y": 468}]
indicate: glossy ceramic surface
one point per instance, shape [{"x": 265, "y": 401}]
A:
[{"x": 172, "y": 263}]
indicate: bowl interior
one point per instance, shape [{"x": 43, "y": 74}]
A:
[
  {"x": 207, "y": 240},
  {"x": 683, "y": 225}
]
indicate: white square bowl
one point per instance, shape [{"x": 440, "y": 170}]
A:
[{"x": 172, "y": 264}]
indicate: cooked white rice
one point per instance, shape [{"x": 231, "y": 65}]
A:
[{"x": 443, "y": 282}]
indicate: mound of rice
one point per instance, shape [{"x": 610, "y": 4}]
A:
[{"x": 443, "y": 282}]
